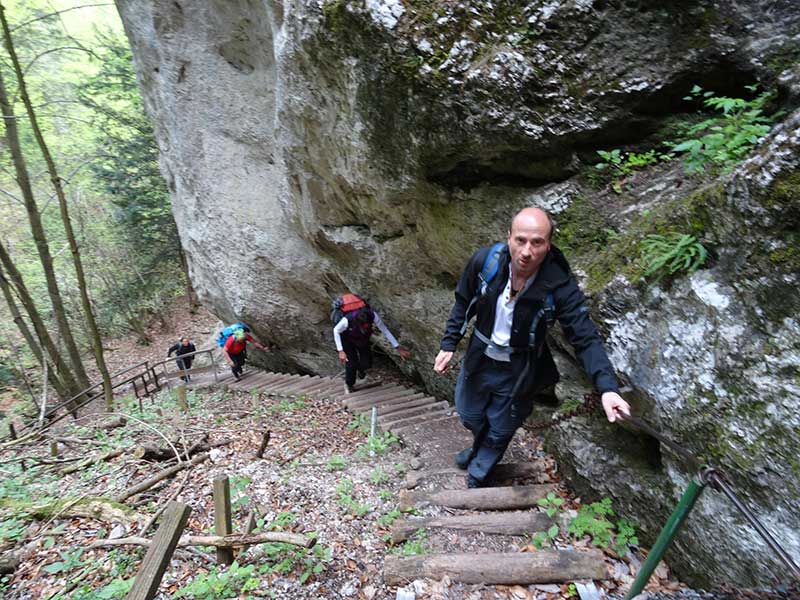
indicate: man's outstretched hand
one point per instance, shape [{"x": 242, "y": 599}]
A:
[
  {"x": 404, "y": 353},
  {"x": 441, "y": 362},
  {"x": 342, "y": 356},
  {"x": 614, "y": 406}
]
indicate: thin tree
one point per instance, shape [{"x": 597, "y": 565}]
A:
[
  {"x": 94, "y": 332},
  {"x": 15, "y": 277},
  {"x": 37, "y": 230},
  {"x": 27, "y": 334}
]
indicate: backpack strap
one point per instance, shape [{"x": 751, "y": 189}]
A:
[{"x": 488, "y": 272}]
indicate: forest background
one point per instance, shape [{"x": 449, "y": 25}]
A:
[{"x": 77, "y": 67}]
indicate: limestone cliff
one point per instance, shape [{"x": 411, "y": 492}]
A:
[{"x": 318, "y": 147}]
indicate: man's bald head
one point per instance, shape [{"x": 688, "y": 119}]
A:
[
  {"x": 532, "y": 217},
  {"x": 529, "y": 241}
]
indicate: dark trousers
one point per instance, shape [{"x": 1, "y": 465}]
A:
[
  {"x": 238, "y": 362},
  {"x": 483, "y": 401},
  {"x": 359, "y": 358},
  {"x": 184, "y": 364}
]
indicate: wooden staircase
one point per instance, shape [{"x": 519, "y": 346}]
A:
[{"x": 504, "y": 509}]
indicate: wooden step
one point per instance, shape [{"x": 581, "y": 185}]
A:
[
  {"x": 417, "y": 420},
  {"x": 378, "y": 398},
  {"x": 523, "y": 568},
  {"x": 409, "y": 429},
  {"x": 430, "y": 405},
  {"x": 268, "y": 379},
  {"x": 288, "y": 386},
  {"x": 504, "y": 523},
  {"x": 502, "y": 472},
  {"x": 281, "y": 379},
  {"x": 489, "y": 498},
  {"x": 393, "y": 402},
  {"x": 319, "y": 386},
  {"x": 359, "y": 393}
]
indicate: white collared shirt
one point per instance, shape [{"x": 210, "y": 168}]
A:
[{"x": 503, "y": 318}]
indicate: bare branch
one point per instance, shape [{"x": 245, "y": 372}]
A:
[{"x": 58, "y": 12}]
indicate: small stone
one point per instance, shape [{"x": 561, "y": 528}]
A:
[
  {"x": 548, "y": 588},
  {"x": 349, "y": 588},
  {"x": 405, "y": 594},
  {"x": 369, "y": 592},
  {"x": 215, "y": 454},
  {"x": 415, "y": 463},
  {"x": 419, "y": 586},
  {"x": 117, "y": 532}
]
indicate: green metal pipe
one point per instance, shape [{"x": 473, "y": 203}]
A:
[{"x": 676, "y": 519}]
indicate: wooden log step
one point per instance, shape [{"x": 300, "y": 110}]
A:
[
  {"x": 429, "y": 406},
  {"x": 502, "y": 472},
  {"x": 364, "y": 391},
  {"x": 267, "y": 380},
  {"x": 409, "y": 429},
  {"x": 489, "y": 498},
  {"x": 280, "y": 380},
  {"x": 320, "y": 385},
  {"x": 378, "y": 398},
  {"x": 405, "y": 403},
  {"x": 287, "y": 386},
  {"x": 307, "y": 385},
  {"x": 523, "y": 568},
  {"x": 504, "y": 523},
  {"x": 327, "y": 391},
  {"x": 417, "y": 419},
  {"x": 393, "y": 402}
]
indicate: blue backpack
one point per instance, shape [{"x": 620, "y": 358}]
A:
[
  {"x": 488, "y": 272},
  {"x": 229, "y": 331}
]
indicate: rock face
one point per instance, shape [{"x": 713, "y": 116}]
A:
[{"x": 314, "y": 148}]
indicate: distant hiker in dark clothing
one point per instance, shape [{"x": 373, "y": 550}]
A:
[
  {"x": 235, "y": 350},
  {"x": 184, "y": 363},
  {"x": 516, "y": 291},
  {"x": 352, "y": 335}
]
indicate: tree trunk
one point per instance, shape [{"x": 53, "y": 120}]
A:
[
  {"x": 37, "y": 230},
  {"x": 46, "y": 341},
  {"x": 57, "y": 384},
  {"x": 97, "y": 344}
]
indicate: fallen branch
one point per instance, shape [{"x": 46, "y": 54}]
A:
[
  {"x": 157, "y": 453},
  {"x": 219, "y": 541},
  {"x": 98, "y": 508},
  {"x": 169, "y": 472},
  {"x": 160, "y": 476},
  {"x": 92, "y": 460}
]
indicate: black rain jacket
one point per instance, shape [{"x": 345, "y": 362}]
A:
[{"x": 533, "y": 366}]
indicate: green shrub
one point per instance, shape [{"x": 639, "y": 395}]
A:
[
  {"x": 723, "y": 141},
  {"x": 593, "y": 520},
  {"x": 618, "y": 165},
  {"x": 220, "y": 583}
]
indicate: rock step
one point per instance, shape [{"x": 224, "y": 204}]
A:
[
  {"x": 504, "y": 523},
  {"x": 497, "y": 498},
  {"x": 523, "y": 568},
  {"x": 501, "y": 472}
]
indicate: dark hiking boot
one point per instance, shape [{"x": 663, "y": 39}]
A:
[
  {"x": 473, "y": 483},
  {"x": 362, "y": 374},
  {"x": 347, "y": 389},
  {"x": 462, "y": 458}
]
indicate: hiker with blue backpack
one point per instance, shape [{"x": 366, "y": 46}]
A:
[
  {"x": 353, "y": 321},
  {"x": 516, "y": 291},
  {"x": 233, "y": 341}
]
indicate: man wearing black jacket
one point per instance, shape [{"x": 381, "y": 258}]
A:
[
  {"x": 184, "y": 363},
  {"x": 507, "y": 361}
]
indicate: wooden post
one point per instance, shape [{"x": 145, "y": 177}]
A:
[
  {"x": 12, "y": 431},
  {"x": 181, "y": 400},
  {"x": 373, "y": 425},
  {"x": 155, "y": 562},
  {"x": 223, "y": 523},
  {"x": 264, "y": 441},
  {"x": 54, "y": 448}
]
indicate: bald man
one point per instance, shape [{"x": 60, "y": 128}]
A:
[{"x": 507, "y": 361}]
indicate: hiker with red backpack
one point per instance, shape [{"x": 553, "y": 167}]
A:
[
  {"x": 354, "y": 321},
  {"x": 234, "y": 346}
]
